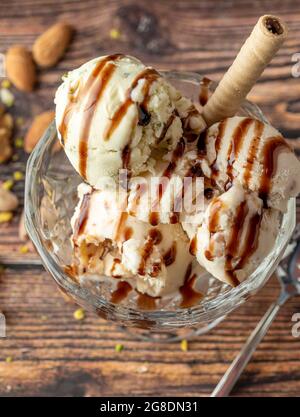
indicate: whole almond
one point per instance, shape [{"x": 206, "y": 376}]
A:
[
  {"x": 20, "y": 68},
  {"x": 51, "y": 45},
  {"x": 8, "y": 201},
  {"x": 37, "y": 128}
]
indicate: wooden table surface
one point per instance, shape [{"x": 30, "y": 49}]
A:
[{"x": 51, "y": 352}]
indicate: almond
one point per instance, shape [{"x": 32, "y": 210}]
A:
[
  {"x": 37, "y": 128},
  {"x": 51, "y": 45},
  {"x": 20, "y": 68},
  {"x": 8, "y": 201},
  {"x": 6, "y": 127}
]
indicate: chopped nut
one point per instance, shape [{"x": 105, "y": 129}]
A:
[
  {"x": 119, "y": 347},
  {"x": 51, "y": 45},
  {"x": 19, "y": 142},
  {"x": 7, "y": 97},
  {"x": 6, "y": 84},
  {"x": 20, "y": 68},
  {"x": 114, "y": 33},
  {"x": 18, "y": 176},
  {"x": 24, "y": 249},
  {"x": 8, "y": 201},
  {"x": 20, "y": 121},
  {"x": 37, "y": 128},
  {"x": 6, "y": 127},
  {"x": 5, "y": 216},
  {"x": 142, "y": 369},
  {"x": 184, "y": 345},
  {"x": 79, "y": 314},
  {"x": 8, "y": 185}
]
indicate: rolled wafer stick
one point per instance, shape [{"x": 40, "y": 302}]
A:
[{"x": 264, "y": 41}]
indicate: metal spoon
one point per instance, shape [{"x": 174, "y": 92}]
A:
[{"x": 288, "y": 273}]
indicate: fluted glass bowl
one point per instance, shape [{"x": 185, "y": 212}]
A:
[{"x": 50, "y": 198}]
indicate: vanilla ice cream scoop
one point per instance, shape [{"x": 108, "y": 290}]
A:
[
  {"x": 111, "y": 242},
  {"x": 255, "y": 154},
  {"x": 236, "y": 235},
  {"x": 113, "y": 111}
]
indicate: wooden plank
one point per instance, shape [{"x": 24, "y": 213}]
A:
[{"x": 53, "y": 354}]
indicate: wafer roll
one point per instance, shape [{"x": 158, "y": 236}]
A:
[{"x": 264, "y": 41}]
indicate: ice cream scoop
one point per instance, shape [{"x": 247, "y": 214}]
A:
[
  {"x": 236, "y": 235},
  {"x": 155, "y": 259},
  {"x": 113, "y": 111},
  {"x": 255, "y": 154}
]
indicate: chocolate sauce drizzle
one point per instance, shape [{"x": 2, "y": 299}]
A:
[
  {"x": 121, "y": 226},
  {"x": 116, "y": 262},
  {"x": 193, "y": 246},
  {"x": 170, "y": 256},
  {"x": 122, "y": 291},
  {"x": 236, "y": 253},
  {"x": 149, "y": 75},
  {"x": 146, "y": 302},
  {"x": 236, "y": 144},
  {"x": 204, "y": 90},
  {"x": 176, "y": 155},
  {"x": 154, "y": 238},
  {"x": 128, "y": 232},
  {"x": 165, "y": 128},
  {"x": 269, "y": 156},
  {"x": 92, "y": 91},
  {"x": 190, "y": 296},
  {"x": 270, "y": 150}
]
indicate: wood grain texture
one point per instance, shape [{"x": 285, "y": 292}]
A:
[{"x": 52, "y": 353}]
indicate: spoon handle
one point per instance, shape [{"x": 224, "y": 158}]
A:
[{"x": 233, "y": 373}]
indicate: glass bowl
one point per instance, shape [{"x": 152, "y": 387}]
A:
[{"x": 50, "y": 198}]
